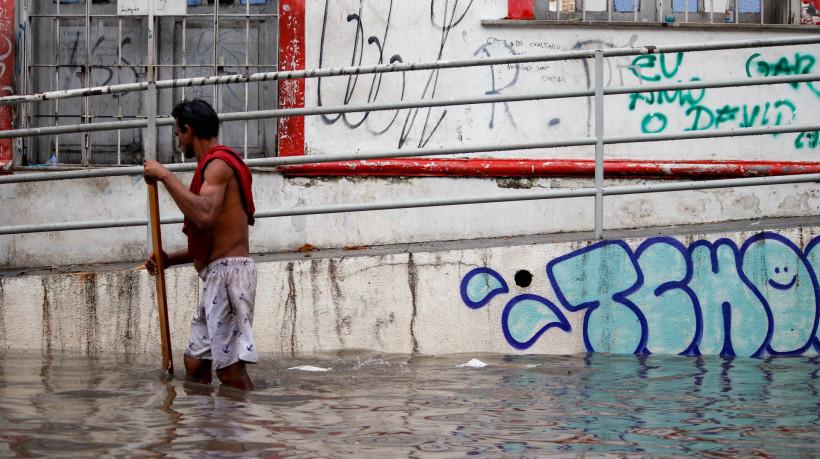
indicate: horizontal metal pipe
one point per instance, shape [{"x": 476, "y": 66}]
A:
[
  {"x": 135, "y": 17},
  {"x": 88, "y": 173},
  {"x": 79, "y": 128},
  {"x": 709, "y": 134},
  {"x": 69, "y": 226},
  {"x": 309, "y": 159},
  {"x": 398, "y": 67},
  {"x": 432, "y": 202},
  {"x": 729, "y": 83},
  {"x": 710, "y": 184},
  {"x": 311, "y": 111},
  {"x": 479, "y": 167}
]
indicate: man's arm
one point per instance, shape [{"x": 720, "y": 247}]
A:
[
  {"x": 201, "y": 209},
  {"x": 179, "y": 257}
]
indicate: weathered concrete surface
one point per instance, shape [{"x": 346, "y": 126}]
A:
[
  {"x": 117, "y": 198},
  {"x": 400, "y": 298}
]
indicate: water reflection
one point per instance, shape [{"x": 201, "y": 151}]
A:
[{"x": 400, "y": 405}]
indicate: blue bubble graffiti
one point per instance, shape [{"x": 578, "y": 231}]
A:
[
  {"x": 664, "y": 297},
  {"x": 480, "y": 285},
  {"x": 527, "y": 317}
]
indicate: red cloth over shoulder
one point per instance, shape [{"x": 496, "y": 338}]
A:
[{"x": 201, "y": 240}]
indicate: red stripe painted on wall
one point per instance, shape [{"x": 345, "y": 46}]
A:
[
  {"x": 6, "y": 79},
  {"x": 520, "y": 9},
  {"x": 291, "y": 92},
  {"x": 435, "y": 167}
]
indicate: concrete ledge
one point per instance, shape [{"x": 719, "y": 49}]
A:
[{"x": 418, "y": 298}]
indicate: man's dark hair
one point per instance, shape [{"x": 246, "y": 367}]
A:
[{"x": 199, "y": 115}]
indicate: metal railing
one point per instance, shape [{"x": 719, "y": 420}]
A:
[{"x": 599, "y": 140}]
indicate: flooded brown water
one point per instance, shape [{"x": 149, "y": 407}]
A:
[{"x": 375, "y": 405}]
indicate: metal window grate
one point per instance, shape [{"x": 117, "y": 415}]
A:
[{"x": 79, "y": 43}]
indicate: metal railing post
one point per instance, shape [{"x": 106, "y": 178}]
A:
[
  {"x": 150, "y": 145},
  {"x": 599, "y": 145}
]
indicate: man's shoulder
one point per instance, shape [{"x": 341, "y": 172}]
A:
[{"x": 218, "y": 168}]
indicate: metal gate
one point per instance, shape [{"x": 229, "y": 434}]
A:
[{"x": 69, "y": 44}]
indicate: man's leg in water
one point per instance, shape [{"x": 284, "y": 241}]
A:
[
  {"x": 198, "y": 370},
  {"x": 235, "y": 375}
]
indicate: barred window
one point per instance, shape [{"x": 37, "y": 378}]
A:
[{"x": 71, "y": 44}]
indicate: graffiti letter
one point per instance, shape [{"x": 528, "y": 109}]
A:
[
  {"x": 599, "y": 278},
  {"x": 696, "y": 124},
  {"x": 735, "y": 321},
  {"x": 671, "y": 308},
  {"x": 776, "y": 269},
  {"x": 647, "y": 61},
  {"x": 653, "y": 123},
  {"x": 724, "y": 114}
]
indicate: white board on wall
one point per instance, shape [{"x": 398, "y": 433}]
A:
[{"x": 161, "y": 7}]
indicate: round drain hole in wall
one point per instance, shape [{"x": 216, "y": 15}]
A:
[{"x": 523, "y": 278}]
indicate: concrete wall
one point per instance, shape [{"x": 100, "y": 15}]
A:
[
  {"x": 125, "y": 197},
  {"x": 338, "y": 33},
  {"x": 742, "y": 293}
]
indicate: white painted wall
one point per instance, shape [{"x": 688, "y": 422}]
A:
[{"x": 412, "y": 33}]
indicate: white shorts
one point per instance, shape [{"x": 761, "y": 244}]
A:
[{"x": 221, "y": 327}]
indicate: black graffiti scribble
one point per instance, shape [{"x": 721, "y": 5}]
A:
[
  {"x": 485, "y": 50},
  {"x": 599, "y": 44},
  {"x": 444, "y": 16},
  {"x": 356, "y": 60},
  {"x": 446, "y": 25}
]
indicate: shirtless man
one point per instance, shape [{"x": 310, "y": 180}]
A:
[{"x": 218, "y": 209}]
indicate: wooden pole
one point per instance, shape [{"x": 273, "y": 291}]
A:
[{"x": 162, "y": 305}]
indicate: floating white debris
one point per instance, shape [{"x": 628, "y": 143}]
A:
[
  {"x": 309, "y": 368},
  {"x": 474, "y": 363}
]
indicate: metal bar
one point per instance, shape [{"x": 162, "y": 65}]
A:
[
  {"x": 761, "y": 12},
  {"x": 400, "y": 67},
  {"x": 310, "y": 159},
  {"x": 708, "y": 135},
  {"x": 789, "y": 79},
  {"x": 204, "y": 15},
  {"x": 711, "y": 11},
  {"x": 609, "y": 8},
  {"x": 279, "y": 113},
  {"x": 137, "y": 66},
  {"x": 184, "y": 61},
  {"x": 685, "y": 10},
  {"x": 599, "y": 144},
  {"x": 25, "y": 84},
  {"x": 431, "y": 202},
  {"x": 79, "y": 128},
  {"x": 119, "y": 80},
  {"x": 217, "y": 103},
  {"x": 57, "y": 42},
  {"x": 583, "y": 168},
  {"x": 635, "y": 11},
  {"x": 85, "y": 117},
  {"x": 247, "y": 70}
]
